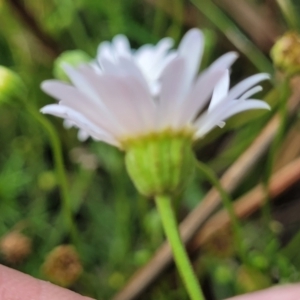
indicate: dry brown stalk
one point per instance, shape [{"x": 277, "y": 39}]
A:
[
  {"x": 249, "y": 203},
  {"x": 49, "y": 44},
  {"x": 191, "y": 224},
  {"x": 257, "y": 24},
  {"x": 262, "y": 29},
  {"x": 190, "y": 15},
  {"x": 289, "y": 149}
]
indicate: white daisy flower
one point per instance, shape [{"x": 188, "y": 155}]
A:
[
  {"x": 151, "y": 59},
  {"x": 117, "y": 104},
  {"x": 118, "y": 107}
]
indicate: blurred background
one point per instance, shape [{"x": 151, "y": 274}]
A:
[{"x": 119, "y": 231}]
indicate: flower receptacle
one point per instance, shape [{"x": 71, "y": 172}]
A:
[{"x": 160, "y": 163}]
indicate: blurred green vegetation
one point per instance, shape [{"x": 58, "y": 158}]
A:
[{"x": 120, "y": 230}]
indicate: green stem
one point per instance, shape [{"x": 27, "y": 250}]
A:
[
  {"x": 227, "y": 202},
  {"x": 176, "y": 28},
  {"x": 289, "y": 12},
  {"x": 159, "y": 20},
  {"x": 277, "y": 142},
  {"x": 60, "y": 172},
  {"x": 234, "y": 34},
  {"x": 165, "y": 209}
]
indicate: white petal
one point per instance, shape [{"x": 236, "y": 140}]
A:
[
  {"x": 57, "y": 89},
  {"x": 68, "y": 124},
  {"x": 172, "y": 83},
  {"x": 251, "y": 92},
  {"x": 141, "y": 100},
  {"x": 128, "y": 67},
  {"x": 152, "y": 59},
  {"x": 191, "y": 48},
  {"x": 224, "y": 62},
  {"x": 221, "y": 124},
  {"x": 127, "y": 99},
  {"x": 247, "y": 83},
  {"x": 220, "y": 91},
  {"x": 121, "y": 46},
  {"x": 163, "y": 46},
  {"x": 203, "y": 88},
  {"x": 143, "y": 57},
  {"x": 225, "y": 110},
  {"x": 81, "y": 122},
  {"x": 172, "y": 91},
  {"x": 108, "y": 66},
  {"x": 82, "y": 135},
  {"x": 240, "y": 106},
  {"x": 199, "y": 95},
  {"x": 81, "y": 83},
  {"x": 156, "y": 70},
  {"x": 55, "y": 109},
  {"x": 75, "y": 99},
  {"x": 105, "y": 52},
  {"x": 154, "y": 53}
]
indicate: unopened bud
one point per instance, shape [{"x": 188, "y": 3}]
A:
[
  {"x": 250, "y": 280},
  {"x": 286, "y": 53},
  {"x": 47, "y": 181},
  {"x": 11, "y": 85},
  {"x": 73, "y": 58},
  {"x": 15, "y": 247},
  {"x": 223, "y": 274},
  {"x": 62, "y": 265}
]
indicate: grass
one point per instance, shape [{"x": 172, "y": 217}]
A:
[{"x": 118, "y": 231}]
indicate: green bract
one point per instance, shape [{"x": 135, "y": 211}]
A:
[{"x": 160, "y": 163}]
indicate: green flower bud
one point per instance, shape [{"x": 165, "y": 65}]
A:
[
  {"x": 73, "y": 58},
  {"x": 286, "y": 53},
  {"x": 116, "y": 280},
  {"x": 223, "y": 274},
  {"x": 11, "y": 85},
  {"x": 160, "y": 163},
  {"x": 259, "y": 261},
  {"x": 250, "y": 280}
]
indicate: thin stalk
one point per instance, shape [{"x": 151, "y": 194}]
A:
[
  {"x": 283, "y": 112},
  {"x": 60, "y": 172},
  {"x": 178, "y": 13},
  {"x": 159, "y": 20},
  {"x": 289, "y": 12},
  {"x": 165, "y": 209},
  {"x": 53, "y": 48},
  {"x": 227, "y": 202},
  {"x": 234, "y": 34}
]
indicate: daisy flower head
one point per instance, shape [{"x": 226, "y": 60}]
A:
[{"x": 116, "y": 102}]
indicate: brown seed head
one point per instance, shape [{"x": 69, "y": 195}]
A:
[
  {"x": 286, "y": 53},
  {"x": 15, "y": 247},
  {"x": 62, "y": 265}
]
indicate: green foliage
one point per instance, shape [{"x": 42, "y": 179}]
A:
[{"x": 119, "y": 230}]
